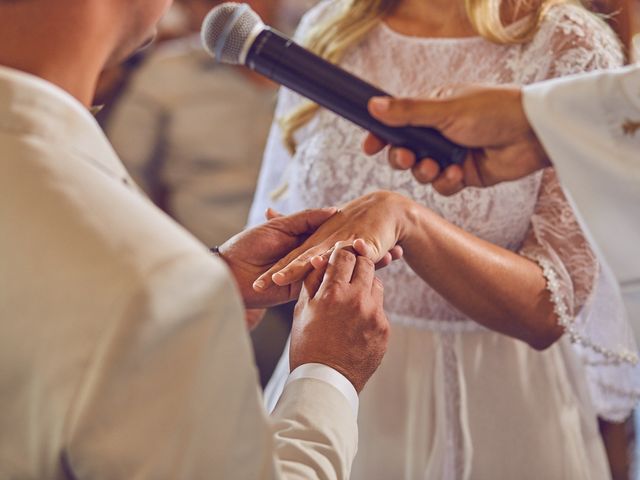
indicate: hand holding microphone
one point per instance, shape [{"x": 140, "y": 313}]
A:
[
  {"x": 234, "y": 34},
  {"x": 491, "y": 121}
]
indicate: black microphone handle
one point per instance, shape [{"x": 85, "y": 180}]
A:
[{"x": 285, "y": 62}]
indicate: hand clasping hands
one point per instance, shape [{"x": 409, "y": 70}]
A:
[
  {"x": 339, "y": 319},
  {"x": 373, "y": 225},
  {"x": 252, "y": 252}
]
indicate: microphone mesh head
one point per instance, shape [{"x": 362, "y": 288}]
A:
[{"x": 226, "y": 29}]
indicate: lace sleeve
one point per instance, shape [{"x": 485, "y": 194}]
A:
[
  {"x": 556, "y": 242},
  {"x": 579, "y": 42},
  {"x": 585, "y": 295},
  {"x": 272, "y": 183},
  {"x": 586, "y": 301}
]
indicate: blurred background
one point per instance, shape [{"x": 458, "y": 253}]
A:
[{"x": 192, "y": 133}]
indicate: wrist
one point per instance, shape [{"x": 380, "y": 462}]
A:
[
  {"x": 409, "y": 214},
  {"x": 351, "y": 378},
  {"x": 418, "y": 237}
]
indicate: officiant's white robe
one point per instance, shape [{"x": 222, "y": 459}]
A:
[
  {"x": 123, "y": 350},
  {"x": 590, "y": 126}
]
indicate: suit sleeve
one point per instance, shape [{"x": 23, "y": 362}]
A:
[{"x": 172, "y": 393}]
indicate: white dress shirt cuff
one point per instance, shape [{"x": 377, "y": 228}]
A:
[{"x": 324, "y": 373}]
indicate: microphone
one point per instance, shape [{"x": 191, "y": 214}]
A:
[{"x": 233, "y": 33}]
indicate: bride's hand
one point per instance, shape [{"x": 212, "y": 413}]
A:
[{"x": 373, "y": 225}]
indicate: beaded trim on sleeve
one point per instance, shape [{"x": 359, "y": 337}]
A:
[{"x": 566, "y": 321}]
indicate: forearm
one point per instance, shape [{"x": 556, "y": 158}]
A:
[{"x": 494, "y": 286}]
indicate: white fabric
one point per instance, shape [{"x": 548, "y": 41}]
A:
[
  {"x": 327, "y": 374},
  {"x": 590, "y": 125},
  {"x": 450, "y": 394},
  {"x": 123, "y": 348}
]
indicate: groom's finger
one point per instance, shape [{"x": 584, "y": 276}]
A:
[
  {"x": 304, "y": 222},
  {"x": 364, "y": 273},
  {"x": 312, "y": 283},
  {"x": 270, "y": 214},
  {"x": 340, "y": 269}
]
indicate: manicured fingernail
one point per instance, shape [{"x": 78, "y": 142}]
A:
[
  {"x": 381, "y": 104},
  {"x": 279, "y": 277},
  {"x": 259, "y": 284}
]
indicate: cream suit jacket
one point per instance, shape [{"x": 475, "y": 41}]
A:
[
  {"x": 590, "y": 126},
  {"x": 123, "y": 350}
]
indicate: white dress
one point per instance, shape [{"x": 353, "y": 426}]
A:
[{"x": 453, "y": 400}]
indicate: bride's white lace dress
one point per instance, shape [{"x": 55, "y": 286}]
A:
[{"x": 453, "y": 400}]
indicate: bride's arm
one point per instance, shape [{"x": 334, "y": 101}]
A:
[
  {"x": 499, "y": 289},
  {"x": 505, "y": 291}
]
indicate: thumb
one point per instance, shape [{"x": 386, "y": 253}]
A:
[
  {"x": 312, "y": 283},
  {"x": 368, "y": 249},
  {"x": 305, "y": 222},
  {"x": 404, "y": 111}
]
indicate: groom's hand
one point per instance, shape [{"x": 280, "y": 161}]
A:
[
  {"x": 252, "y": 252},
  {"x": 339, "y": 319}
]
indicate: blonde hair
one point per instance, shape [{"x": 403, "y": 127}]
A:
[{"x": 332, "y": 38}]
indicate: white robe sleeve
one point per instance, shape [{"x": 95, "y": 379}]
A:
[
  {"x": 586, "y": 302},
  {"x": 590, "y": 126},
  {"x": 585, "y": 296}
]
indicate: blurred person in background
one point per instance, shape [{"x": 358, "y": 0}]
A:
[
  {"x": 620, "y": 438},
  {"x": 192, "y": 133},
  {"x": 114, "y": 80},
  {"x": 458, "y": 396},
  {"x": 635, "y": 25},
  {"x": 290, "y": 12},
  {"x": 163, "y": 129}
]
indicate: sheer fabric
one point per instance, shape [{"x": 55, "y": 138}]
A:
[{"x": 436, "y": 429}]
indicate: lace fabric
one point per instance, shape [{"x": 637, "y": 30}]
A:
[{"x": 530, "y": 216}]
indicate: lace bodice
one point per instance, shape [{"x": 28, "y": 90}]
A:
[
  {"x": 329, "y": 167},
  {"x": 530, "y": 216}
]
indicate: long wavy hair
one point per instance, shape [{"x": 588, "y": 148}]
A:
[{"x": 354, "y": 19}]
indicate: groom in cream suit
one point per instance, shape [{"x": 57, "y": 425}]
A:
[{"x": 123, "y": 345}]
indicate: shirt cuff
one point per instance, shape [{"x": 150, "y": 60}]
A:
[{"x": 324, "y": 373}]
